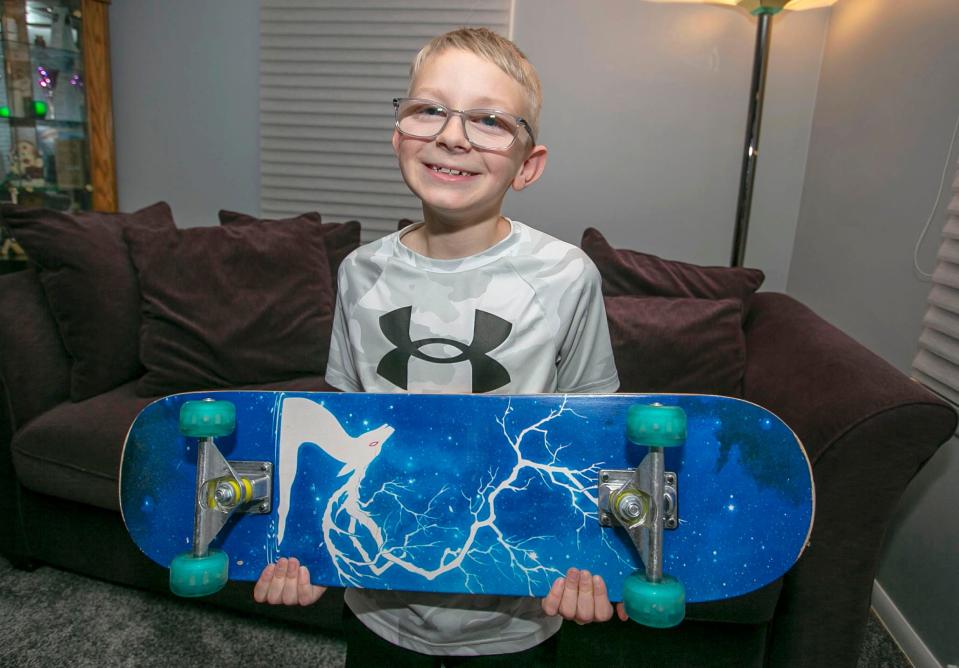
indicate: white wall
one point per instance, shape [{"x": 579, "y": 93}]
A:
[
  {"x": 186, "y": 105},
  {"x": 887, "y": 105},
  {"x": 645, "y": 116}
]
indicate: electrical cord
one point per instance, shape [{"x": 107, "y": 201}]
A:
[{"x": 927, "y": 277}]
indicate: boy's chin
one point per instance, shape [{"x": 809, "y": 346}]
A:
[{"x": 459, "y": 218}]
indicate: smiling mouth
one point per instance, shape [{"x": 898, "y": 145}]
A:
[{"x": 449, "y": 170}]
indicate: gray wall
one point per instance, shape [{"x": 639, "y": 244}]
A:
[
  {"x": 887, "y": 105},
  {"x": 645, "y": 117},
  {"x": 186, "y": 105}
]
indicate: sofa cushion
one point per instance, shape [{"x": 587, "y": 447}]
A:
[
  {"x": 91, "y": 287},
  {"x": 33, "y": 362},
  {"x": 84, "y": 468},
  {"x": 627, "y": 272},
  {"x": 677, "y": 345},
  {"x": 225, "y": 306},
  {"x": 340, "y": 239}
]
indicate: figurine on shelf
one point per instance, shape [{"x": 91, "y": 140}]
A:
[
  {"x": 10, "y": 249},
  {"x": 27, "y": 163}
]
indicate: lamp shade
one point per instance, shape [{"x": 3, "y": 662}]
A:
[{"x": 763, "y": 6}]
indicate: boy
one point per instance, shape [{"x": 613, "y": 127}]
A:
[{"x": 466, "y": 301}]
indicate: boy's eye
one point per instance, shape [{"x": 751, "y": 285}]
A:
[
  {"x": 492, "y": 122},
  {"x": 433, "y": 111}
]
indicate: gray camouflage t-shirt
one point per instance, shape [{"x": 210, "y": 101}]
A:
[{"x": 525, "y": 316}]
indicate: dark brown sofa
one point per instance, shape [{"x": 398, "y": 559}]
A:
[{"x": 69, "y": 389}]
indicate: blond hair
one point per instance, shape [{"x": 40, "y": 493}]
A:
[{"x": 495, "y": 49}]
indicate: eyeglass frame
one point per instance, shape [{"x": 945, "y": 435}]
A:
[{"x": 450, "y": 112}]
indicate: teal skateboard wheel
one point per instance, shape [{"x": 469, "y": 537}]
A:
[
  {"x": 206, "y": 419},
  {"x": 660, "y": 605},
  {"x": 192, "y": 576},
  {"x": 655, "y": 425}
]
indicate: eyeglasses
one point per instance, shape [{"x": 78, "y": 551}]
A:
[{"x": 485, "y": 128}]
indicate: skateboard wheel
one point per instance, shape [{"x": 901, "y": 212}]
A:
[
  {"x": 656, "y": 425},
  {"x": 206, "y": 419},
  {"x": 660, "y": 604},
  {"x": 192, "y": 576}
]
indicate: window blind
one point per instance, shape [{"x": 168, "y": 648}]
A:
[
  {"x": 329, "y": 71},
  {"x": 937, "y": 363}
]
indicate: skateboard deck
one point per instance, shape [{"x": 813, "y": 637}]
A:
[{"x": 486, "y": 494}]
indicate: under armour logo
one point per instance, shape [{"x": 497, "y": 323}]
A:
[{"x": 489, "y": 331}]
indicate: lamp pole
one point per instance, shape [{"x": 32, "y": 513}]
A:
[{"x": 754, "y": 121}]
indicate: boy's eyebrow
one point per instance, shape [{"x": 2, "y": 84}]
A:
[{"x": 482, "y": 102}]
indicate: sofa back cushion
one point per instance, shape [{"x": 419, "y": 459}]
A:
[
  {"x": 628, "y": 272},
  {"x": 226, "y": 306},
  {"x": 674, "y": 326},
  {"x": 677, "y": 345},
  {"x": 91, "y": 287},
  {"x": 339, "y": 239}
]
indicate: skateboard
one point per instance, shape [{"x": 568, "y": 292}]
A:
[{"x": 670, "y": 498}]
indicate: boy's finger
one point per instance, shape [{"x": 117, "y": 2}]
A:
[
  {"x": 552, "y": 600},
  {"x": 584, "y": 599},
  {"x": 262, "y": 585},
  {"x": 289, "y": 594},
  {"x": 621, "y": 612},
  {"x": 275, "y": 593},
  {"x": 567, "y": 606},
  {"x": 307, "y": 594},
  {"x": 603, "y": 609}
]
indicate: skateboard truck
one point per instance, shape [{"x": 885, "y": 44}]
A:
[
  {"x": 645, "y": 501},
  {"x": 222, "y": 488}
]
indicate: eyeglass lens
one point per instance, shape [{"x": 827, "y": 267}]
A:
[{"x": 484, "y": 128}]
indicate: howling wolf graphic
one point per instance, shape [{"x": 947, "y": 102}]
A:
[{"x": 305, "y": 422}]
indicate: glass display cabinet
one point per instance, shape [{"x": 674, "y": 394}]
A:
[{"x": 56, "y": 116}]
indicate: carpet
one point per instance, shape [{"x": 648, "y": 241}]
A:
[{"x": 55, "y": 618}]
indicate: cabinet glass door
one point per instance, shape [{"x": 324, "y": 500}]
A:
[{"x": 44, "y": 145}]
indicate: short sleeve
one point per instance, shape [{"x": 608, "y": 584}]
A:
[
  {"x": 341, "y": 371},
  {"x": 586, "y": 364}
]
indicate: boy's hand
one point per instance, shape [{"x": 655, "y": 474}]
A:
[
  {"x": 582, "y": 598},
  {"x": 288, "y": 583}
]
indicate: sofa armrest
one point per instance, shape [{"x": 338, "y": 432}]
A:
[
  {"x": 34, "y": 365},
  {"x": 867, "y": 429},
  {"x": 34, "y": 377}
]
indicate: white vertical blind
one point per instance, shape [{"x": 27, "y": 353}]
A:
[
  {"x": 937, "y": 364},
  {"x": 328, "y": 73}
]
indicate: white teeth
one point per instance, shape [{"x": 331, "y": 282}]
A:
[{"x": 447, "y": 170}]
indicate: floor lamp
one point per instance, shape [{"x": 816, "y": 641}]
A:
[{"x": 763, "y": 10}]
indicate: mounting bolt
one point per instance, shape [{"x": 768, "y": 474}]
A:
[
  {"x": 630, "y": 507},
  {"x": 225, "y": 495}
]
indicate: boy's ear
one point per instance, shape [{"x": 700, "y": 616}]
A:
[
  {"x": 396, "y": 141},
  {"x": 532, "y": 168}
]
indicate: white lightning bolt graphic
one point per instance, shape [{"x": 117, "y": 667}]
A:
[{"x": 348, "y": 528}]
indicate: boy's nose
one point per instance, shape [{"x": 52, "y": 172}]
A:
[{"x": 453, "y": 135}]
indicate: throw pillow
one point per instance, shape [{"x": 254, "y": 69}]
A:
[
  {"x": 91, "y": 287},
  {"x": 663, "y": 344},
  {"x": 627, "y": 272},
  {"x": 227, "y": 306},
  {"x": 339, "y": 239}
]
